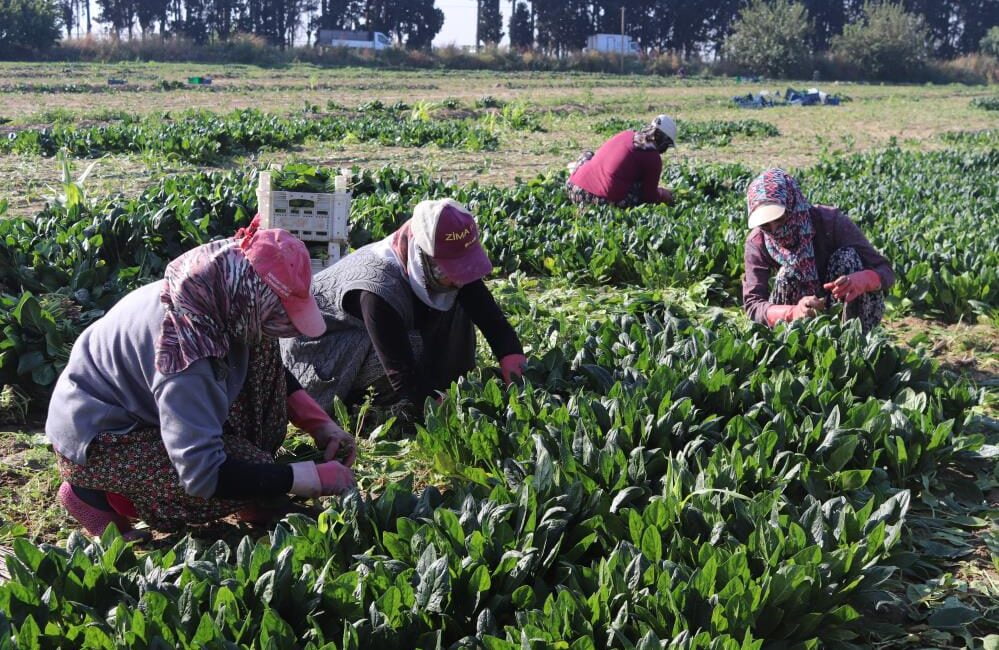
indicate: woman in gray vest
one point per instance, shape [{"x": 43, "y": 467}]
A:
[{"x": 400, "y": 313}]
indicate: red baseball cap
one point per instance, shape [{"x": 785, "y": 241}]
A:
[
  {"x": 282, "y": 262},
  {"x": 447, "y": 232}
]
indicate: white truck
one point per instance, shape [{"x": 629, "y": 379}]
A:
[
  {"x": 612, "y": 44},
  {"x": 352, "y": 38}
]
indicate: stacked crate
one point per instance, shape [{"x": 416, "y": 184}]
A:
[{"x": 315, "y": 218}]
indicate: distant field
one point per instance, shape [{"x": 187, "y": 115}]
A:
[{"x": 567, "y": 107}]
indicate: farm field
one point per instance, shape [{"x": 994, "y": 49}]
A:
[{"x": 669, "y": 474}]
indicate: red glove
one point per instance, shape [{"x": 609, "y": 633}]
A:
[
  {"x": 305, "y": 413},
  {"x": 512, "y": 365},
  {"x": 335, "y": 477},
  {"x": 806, "y": 308},
  {"x": 665, "y": 196},
  {"x": 849, "y": 287},
  {"x": 320, "y": 479}
]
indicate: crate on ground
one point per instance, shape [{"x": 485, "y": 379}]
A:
[{"x": 318, "y": 219}]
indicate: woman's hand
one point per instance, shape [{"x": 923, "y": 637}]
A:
[
  {"x": 808, "y": 307},
  {"x": 665, "y": 196},
  {"x": 849, "y": 287},
  {"x": 336, "y": 443}
]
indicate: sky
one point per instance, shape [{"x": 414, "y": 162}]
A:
[{"x": 459, "y": 21}]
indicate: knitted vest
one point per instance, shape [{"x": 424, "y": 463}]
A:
[{"x": 327, "y": 366}]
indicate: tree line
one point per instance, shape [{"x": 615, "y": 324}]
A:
[{"x": 688, "y": 27}]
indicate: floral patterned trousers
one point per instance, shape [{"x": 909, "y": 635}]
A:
[{"x": 136, "y": 466}]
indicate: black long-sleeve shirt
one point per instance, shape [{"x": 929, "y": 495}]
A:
[{"x": 391, "y": 340}]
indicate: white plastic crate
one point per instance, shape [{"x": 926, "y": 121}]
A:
[{"x": 312, "y": 217}]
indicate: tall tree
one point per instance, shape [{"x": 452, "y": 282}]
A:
[
  {"x": 887, "y": 43},
  {"x": 771, "y": 38},
  {"x": 976, "y": 18},
  {"x": 27, "y": 25},
  {"x": 521, "y": 32},
  {"x": 490, "y": 23},
  {"x": 67, "y": 13},
  {"x": 828, "y": 18}
]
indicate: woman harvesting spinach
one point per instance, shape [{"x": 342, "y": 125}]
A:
[
  {"x": 625, "y": 170},
  {"x": 166, "y": 411},
  {"x": 401, "y": 313},
  {"x": 812, "y": 250}
]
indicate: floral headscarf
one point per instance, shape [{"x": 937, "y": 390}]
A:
[
  {"x": 650, "y": 138},
  {"x": 212, "y": 297},
  {"x": 790, "y": 244}
]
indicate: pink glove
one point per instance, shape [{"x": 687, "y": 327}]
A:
[
  {"x": 665, "y": 196},
  {"x": 305, "y": 413},
  {"x": 806, "y": 308},
  {"x": 335, "y": 477},
  {"x": 320, "y": 479},
  {"x": 512, "y": 365},
  {"x": 849, "y": 287}
]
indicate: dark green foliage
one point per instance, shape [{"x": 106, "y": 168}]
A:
[
  {"x": 90, "y": 255},
  {"x": 27, "y": 26},
  {"x": 204, "y": 137},
  {"x": 714, "y": 133},
  {"x": 654, "y": 481},
  {"x": 986, "y": 103}
]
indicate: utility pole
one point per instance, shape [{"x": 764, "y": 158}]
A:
[
  {"x": 478, "y": 23},
  {"x": 622, "y": 39}
]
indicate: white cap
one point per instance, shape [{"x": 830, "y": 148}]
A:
[
  {"x": 765, "y": 213},
  {"x": 666, "y": 124}
]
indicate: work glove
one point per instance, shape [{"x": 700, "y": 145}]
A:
[
  {"x": 849, "y": 287},
  {"x": 320, "y": 479},
  {"x": 807, "y": 307},
  {"x": 512, "y": 365},
  {"x": 306, "y": 414},
  {"x": 336, "y": 443},
  {"x": 665, "y": 196}
]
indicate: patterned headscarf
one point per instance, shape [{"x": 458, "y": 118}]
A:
[
  {"x": 790, "y": 244},
  {"x": 212, "y": 297},
  {"x": 650, "y": 138}
]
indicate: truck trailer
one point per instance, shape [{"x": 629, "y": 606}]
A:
[{"x": 367, "y": 40}]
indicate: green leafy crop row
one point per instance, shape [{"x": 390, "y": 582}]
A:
[
  {"x": 917, "y": 208},
  {"x": 716, "y": 133},
  {"x": 653, "y": 482},
  {"x": 204, "y": 136}
]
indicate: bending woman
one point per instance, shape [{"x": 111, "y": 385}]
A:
[
  {"x": 172, "y": 405},
  {"x": 815, "y": 255},
  {"x": 400, "y": 314},
  {"x": 625, "y": 170}
]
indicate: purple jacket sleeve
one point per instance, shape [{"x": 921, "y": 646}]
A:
[
  {"x": 652, "y": 169},
  {"x": 848, "y": 234},
  {"x": 756, "y": 280}
]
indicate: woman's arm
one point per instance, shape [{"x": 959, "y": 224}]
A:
[
  {"x": 390, "y": 340},
  {"x": 193, "y": 406},
  {"x": 756, "y": 281},
  {"x": 481, "y": 307}
]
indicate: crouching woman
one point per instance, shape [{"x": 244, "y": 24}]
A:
[
  {"x": 816, "y": 255},
  {"x": 402, "y": 314},
  {"x": 173, "y": 405}
]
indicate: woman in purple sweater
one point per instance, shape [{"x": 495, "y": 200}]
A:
[
  {"x": 815, "y": 253},
  {"x": 625, "y": 170},
  {"x": 172, "y": 405}
]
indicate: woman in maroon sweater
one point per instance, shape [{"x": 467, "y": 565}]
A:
[
  {"x": 625, "y": 170},
  {"x": 816, "y": 252}
]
